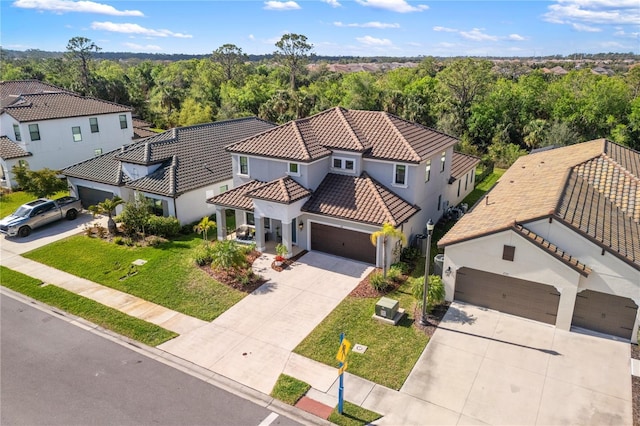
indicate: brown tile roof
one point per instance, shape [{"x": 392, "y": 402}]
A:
[
  {"x": 11, "y": 90},
  {"x": 360, "y": 199},
  {"x": 284, "y": 190},
  {"x": 9, "y": 149},
  {"x": 587, "y": 186},
  {"x": 237, "y": 198},
  {"x": 461, "y": 164},
  {"x": 47, "y": 106},
  {"x": 554, "y": 250},
  {"x": 376, "y": 134},
  {"x": 142, "y": 129}
]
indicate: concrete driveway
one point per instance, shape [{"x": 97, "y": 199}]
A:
[
  {"x": 252, "y": 342},
  {"x": 485, "y": 367}
]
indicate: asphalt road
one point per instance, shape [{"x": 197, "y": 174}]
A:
[{"x": 55, "y": 373}]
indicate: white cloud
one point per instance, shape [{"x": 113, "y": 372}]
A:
[
  {"x": 374, "y": 24},
  {"x": 515, "y": 37},
  {"x": 445, "y": 29},
  {"x": 135, "y": 29},
  {"x": 372, "y": 41},
  {"x": 64, "y": 6},
  {"x": 332, "y": 3},
  {"x": 585, "y": 28},
  {"x": 252, "y": 37},
  {"x": 614, "y": 12},
  {"x": 476, "y": 34},
  {"x": 281, "y": 5},
  {"x": 400, "y": 6},
  {"x": 623, "y": 33},
  {"x": 139, "y": 47}
]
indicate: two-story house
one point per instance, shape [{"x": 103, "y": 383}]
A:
[
  {"x": 327, "y": 182},
  {"x": 51, "y": 127},
  {"x": 175, "y": 171}
]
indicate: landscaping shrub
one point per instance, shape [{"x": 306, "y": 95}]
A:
[
  {"x": 403, "y": 267},
  {"x": 410, "y": 254},
  {"x": 118, "y": 240},
  {"x": 226, "y": 254},
  {"x": 155, "y": 241},
  {"x": 163, "y": 226},
  {"x": 394, "y": 274},
  {"x": 378, "y": 281},
  {"x": 202, "y": 255},
  {"x": 436, "y": 291}
]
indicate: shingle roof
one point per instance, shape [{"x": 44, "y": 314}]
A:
[
  {"x": 47, "y": 106},
  {"x": 593, "y": 187},
  {"x": 360, "y": 199},
  {"x": 461, "y": 164},
  {"x": 9, "y": 149},
  {"x": 376, "y": 134},
  {"x": 284, "y": 191},
  {"x": 188, "y": 157},
  {"x": 237, "y": 198},
  {"x": 11, "y": 90}
]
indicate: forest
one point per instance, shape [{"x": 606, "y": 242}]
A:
[{"x": 497, "y": 112}]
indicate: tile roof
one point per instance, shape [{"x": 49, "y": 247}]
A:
[
  {"x": 284, "y": 191},
  {"x": 461, "y": 164},
  {"x": 9, "y": 149},
  {"x": 376, "y": 134},
  {"x": 237, "y": 198},
  {"x": 47, "y": 106},
  {"x": 11, "y": 90},
  {"x": 188, "y": 157},
  {"x": 592, "y": 187},
  {"x": 142, "y": 129},
  {"x": 360, "y": 199}
]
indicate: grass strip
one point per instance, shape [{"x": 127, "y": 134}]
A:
[
  {"x": 104, "y": 316},
  {"x": 289, "y": 389},
  {"x": 353, "y": 415}
]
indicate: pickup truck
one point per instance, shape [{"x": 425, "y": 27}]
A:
[{"x": 37, "y": 213}]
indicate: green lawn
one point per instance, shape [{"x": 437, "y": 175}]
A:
[
  {"x": 289, "y": 389},
  {"x": 169, "y": 278},
  {"x": 353, "y": 415},
  {"x": 109, "y": 318},
  {"x": 392, "y": 351},
  {"x": 10, "y": 202}
]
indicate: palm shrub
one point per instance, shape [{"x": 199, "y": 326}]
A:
[
  {"x": 226, "y": 254},
  {"x": 107, "y": 207},
  {"x": 204, "y": 226},
  {"x": 202, "y": 255},
  {"x": 436, "y": 291}
]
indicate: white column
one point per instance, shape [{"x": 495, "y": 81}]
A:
[
  {"x": 566, "y": 306},
  {"x": 286, "y": 238},
  {"x": 221, "y": 222},
  {"x": 259, "y": 233}
]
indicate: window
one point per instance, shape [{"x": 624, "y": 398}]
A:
[
  {"x": 508, "y": 252},
  {"x": 459, "y": 182},
  {"x": 244, "y": 165},
  {"x": 348, "y": 164},
  {"x": 123, "y": 121},
  {"x": 77, "y": 133},
  {"x": 427, "y": 171},
  {"x": 337, "y": 163},
  {"x": 294, "y": 169},
  {"x": 224, "y": 188},
  {"x": 93, "y": 122},
  {"x": 400, "y": 174},
  {"x": 16, "y": 131},
  {"x": 97, "y": 152},
  {"x": 34, "y": 132},
  {"x": 267, "y": 223},
  {"x": 251, "y": 219},
  {"x": 466, "y": 181},
  {"x": 439, "y": 201},
  {"x": 443, "y": 158},
  {"x": 344, "y": 164},
  {"x": 156, "y": 206}
]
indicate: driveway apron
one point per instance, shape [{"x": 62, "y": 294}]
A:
[{"x": 252, "y": 342}]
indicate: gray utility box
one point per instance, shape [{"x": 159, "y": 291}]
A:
[{"x": 387, "y": 308}]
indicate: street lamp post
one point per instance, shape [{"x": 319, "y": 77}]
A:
[{"x": 425, "y": 289}]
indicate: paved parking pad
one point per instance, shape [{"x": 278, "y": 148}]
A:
[{"x": 494, "y": 368}]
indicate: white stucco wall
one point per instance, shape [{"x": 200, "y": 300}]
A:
[{"x": 466, "y": 185}]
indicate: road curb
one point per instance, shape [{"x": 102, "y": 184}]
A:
[{"x": 173, "y": 361}]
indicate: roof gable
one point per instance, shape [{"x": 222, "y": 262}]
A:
[
  {"x": 9, "y": 149},
  {"x": 284, "y": 191},
  {"x": 11, "y": 90}
]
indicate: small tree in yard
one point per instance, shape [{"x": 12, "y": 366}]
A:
[
  {"x": 107, "y": 207},
  {"x": 41, "y": 183},
  {"x": 204, "y": 226},
  {"x": 135, "y": 215},
  {"x": 387, "y": 231}
]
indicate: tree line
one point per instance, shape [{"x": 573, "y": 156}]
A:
[{"x": 496, "y": 112}]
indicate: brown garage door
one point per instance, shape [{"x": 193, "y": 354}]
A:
[
  {"x": 507, "y": 294},
  {"x": 342, "y": 242},
  {"x": 604, "y": 313},
  {"x": 91, "y": 197}
]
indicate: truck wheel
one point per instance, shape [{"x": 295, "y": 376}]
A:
[
  {"x": 24, "y": 232},
  {"x": 72, "y": 214}
]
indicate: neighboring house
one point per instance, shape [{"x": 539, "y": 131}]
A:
[
  {"x": 56, "y": 127},
  {"x": 11, "y": 154},
  {"x": 176, "y": 171},
  {"x": 327, "y": 182},
  {"x": 556, "y": 240}
]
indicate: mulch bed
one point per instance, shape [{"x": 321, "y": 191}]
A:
[
  {"x": 287, "y": 262},
  {"x": 231, "y": 276},
  {"x": 365, "y": 289}
]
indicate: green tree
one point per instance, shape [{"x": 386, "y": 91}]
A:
[
  {"x": 192, "y": 112},
  {"x": 292, "y": 52},
  {"x": 204, "y": 226},
  {"x": 135, "y": 215},
  {"x": 80, "y": 50},
  {"x": 388, "y": 231},
  {"x": 230, "y": 57},
  {"x": 41, "y": 183},
  {"x": 108, "y": 207}
]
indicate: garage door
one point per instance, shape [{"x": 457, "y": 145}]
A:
[
  {"x": 604, "y": 313},
  {"x": 91, "y": 197},
  {"x": 527, "y": 299},
  {"x": 342, "y": 242}
]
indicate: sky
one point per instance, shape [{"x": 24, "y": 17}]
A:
[{"x": 333, "y": 27}]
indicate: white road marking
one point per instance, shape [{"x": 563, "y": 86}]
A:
[{"x": 269, "y": 419}]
